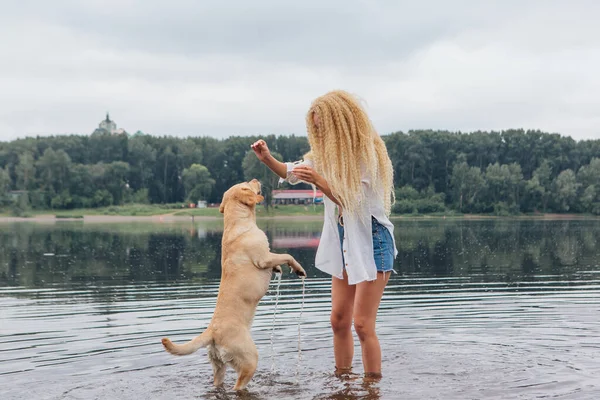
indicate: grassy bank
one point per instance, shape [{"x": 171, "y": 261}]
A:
[{"x": 295, "y": 211}]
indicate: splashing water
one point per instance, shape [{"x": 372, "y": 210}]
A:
[
  {"x": 299, "y": 333},
  {"x": 278, "y": 278}
]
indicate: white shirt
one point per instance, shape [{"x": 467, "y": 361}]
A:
[{"x": 358, "y": 241}]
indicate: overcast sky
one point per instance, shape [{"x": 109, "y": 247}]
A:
[{"x": 221, "y": 68}]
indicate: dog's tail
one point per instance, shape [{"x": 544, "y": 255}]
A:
[{"x": 188, "y": 348}]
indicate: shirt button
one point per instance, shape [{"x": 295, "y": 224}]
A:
[
  {"x": 346, "y": 264},
  {"x": 344, "y": 251}
]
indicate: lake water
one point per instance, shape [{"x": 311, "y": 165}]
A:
[{"x": 500, "y": 309}]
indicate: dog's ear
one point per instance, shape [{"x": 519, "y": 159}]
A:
[
  {"x": 222, "y": 205},
  {"x": 249, "y": 198}
]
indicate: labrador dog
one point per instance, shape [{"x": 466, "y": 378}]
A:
[{"x": 247, "y": 265}]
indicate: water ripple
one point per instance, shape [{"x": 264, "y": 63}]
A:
[{"x": 527, "y": 337}]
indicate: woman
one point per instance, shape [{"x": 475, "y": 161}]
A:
[{"x": 349, "y": 163}]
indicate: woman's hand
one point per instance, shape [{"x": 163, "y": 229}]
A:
[
  {"x": 307, "y": 174},
  {"x": 261, "y": 150},
  {"x": 264, "y": 155}
]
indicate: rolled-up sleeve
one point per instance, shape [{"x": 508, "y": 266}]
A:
[{"x": 290, "y": 177}]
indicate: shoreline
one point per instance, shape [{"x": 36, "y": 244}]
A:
[
  {"x": 145, "y": 218},
  {"x": 163, "y": 218}
]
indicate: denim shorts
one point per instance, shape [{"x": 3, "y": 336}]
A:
[{"x": 383, "y": 245}]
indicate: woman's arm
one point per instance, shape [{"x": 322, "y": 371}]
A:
[
  {"x": 276, "y": 166},
  {"x": 324, "y": 187}
]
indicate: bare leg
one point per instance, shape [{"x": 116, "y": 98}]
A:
[
  {"x": 342, "y": 299},
  {"x": 366, "y": 303}
]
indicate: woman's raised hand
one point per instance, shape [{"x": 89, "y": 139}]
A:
[{"x": 261, "y": 150}]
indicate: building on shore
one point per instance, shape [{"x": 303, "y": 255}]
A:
[
  {"x": 108, "y": 127},
  {"x": 281, "y": 197}
]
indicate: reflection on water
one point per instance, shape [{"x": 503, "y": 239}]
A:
[{"x": 479, "y": 309}]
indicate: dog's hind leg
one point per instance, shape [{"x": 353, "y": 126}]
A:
[
  {"x": 219, "y": 368},
  {"x": 245, "y": 373},
  {"x": 244, "y": 362},
  {"x": 219, "y": 373}
]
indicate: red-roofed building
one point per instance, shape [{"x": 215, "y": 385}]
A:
[{"x": 297, "y": 197}]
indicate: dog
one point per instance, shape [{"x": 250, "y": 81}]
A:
[{"x": 247, "y": 265}]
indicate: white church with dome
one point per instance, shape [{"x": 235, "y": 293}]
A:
[{"x": 108, "y": 127}]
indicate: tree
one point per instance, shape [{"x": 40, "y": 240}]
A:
[
  {"x": 102, "y": 198},
  {"x": 54, "y": 168},
  {"x": 25, "y": 171},
  {"x": 566, "y": 189},
  {"x": 466, "y": 182},
  {"x": 590, "y": 174},
  {"x": 197, "y": 182},
  {"x": 411, "y": 201},
  {"x": 589, "y": 200},
  {"x": 504, "y": 182},
  {"x": 20, "y": 205},
  {"x": 254, "y": 169},
  {"x": 115, "y": 180},
  {"x": 512, "y": 170},
  {"x": 191, "y": 153},
  {"x": 4, "y": 185},
  {"x": 166, "y": 176},
  {"x": 543, "y": 177},
  {"x": 588, "y": 178},
  {"x": 141, "y": 160},
  {"x": 82, "y": 185},
  {"x": 515, "y": 179},
  {"x": 62, "y": 200},
  {"x": 418, "y": 156},
  {"x": 534, "y": 193}
]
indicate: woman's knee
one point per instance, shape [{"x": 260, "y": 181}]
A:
[
  {"x": 340, "y": 321},
  {"x": 364, "y": 327}
]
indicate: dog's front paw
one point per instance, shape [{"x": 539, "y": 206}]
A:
[
  {"x": 297, "y": 268},
  {"x": 301, "y": 272}
]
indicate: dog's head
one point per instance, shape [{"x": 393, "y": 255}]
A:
[{"x": 246, "y": 193}]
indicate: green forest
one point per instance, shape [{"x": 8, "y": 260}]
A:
[{"x": 500, "y": 173}]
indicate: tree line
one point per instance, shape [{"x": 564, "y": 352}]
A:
[{"x": 507, "y": 172}]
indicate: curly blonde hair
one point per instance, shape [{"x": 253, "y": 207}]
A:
[{"x": 345, "y": 145}]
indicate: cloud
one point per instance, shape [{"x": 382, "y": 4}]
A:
[{"x": 233, "y": 67}]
